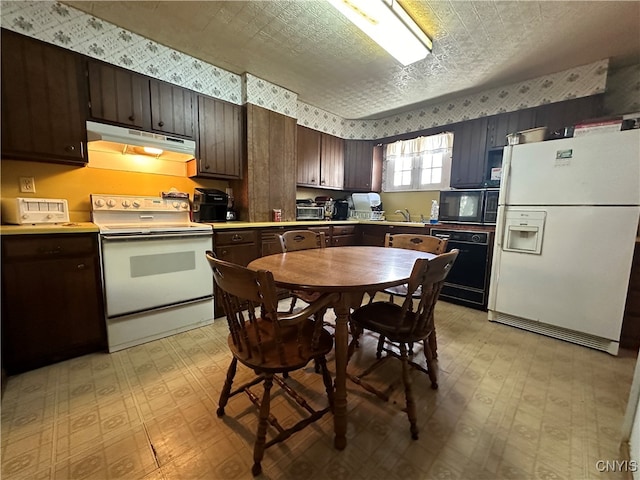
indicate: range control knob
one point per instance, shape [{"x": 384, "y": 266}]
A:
[
  {"x": 184, "y": 205},
  {"x": 136, "y": 204},
  {"x": 99, "y": 202},
  {"x": 475, "y": 238},
  {"x": 126, "y": 203},
  {"x": 176, "y": 205},
  {"x": 111, "y": 202}
]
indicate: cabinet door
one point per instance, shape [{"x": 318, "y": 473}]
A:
[
  {"x": 308, "y": 151},
  {"x": 172, "y": 109},
  {"x": 119, "y": 96},
  {"x": 556, "y": 116},
  {"x": 468, "y": 158},
  {"x": 44, "y": 101},
  {"x": 235, "y": 246},
  {"x": 358, "y": 165},
  {"x": 499, "y": 126},
  {"x": 331, "y": 162},
  {"x": 67, "y": 319},
  {"x": 219, "y": 139}
]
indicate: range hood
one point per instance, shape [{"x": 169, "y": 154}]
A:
[{"x": 112, "y": 139}]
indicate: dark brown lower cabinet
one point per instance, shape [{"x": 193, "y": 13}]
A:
[
  {"x": 235, "y": 246},
  {"x": 52, "y": 307},
  {"x": 373, "y": 235}
]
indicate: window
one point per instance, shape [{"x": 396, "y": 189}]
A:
[{"x": 423, "y": 163}]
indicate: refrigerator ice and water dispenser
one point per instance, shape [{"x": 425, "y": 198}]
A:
[{"x": 524, "y": 230}]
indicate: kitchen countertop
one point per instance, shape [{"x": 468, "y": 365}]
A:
[
  {"x": 312, "y": 223},
  {"x": 89, "y": 227},
  {"x": 70, "y": 227}
]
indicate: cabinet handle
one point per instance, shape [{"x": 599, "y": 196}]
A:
[
  {"x": 223, "y": 253},
  {"x": 81, "y": 266},
  {"x": 161, "y": 124},
  {"x": 132, "y": 118},
  {"x": 207, "y": 167},
  {"x": 236, "y": 238},
  {"x": 69, "y": 148}
]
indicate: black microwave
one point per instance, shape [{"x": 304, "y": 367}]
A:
[{"x": 476, "y": 206}]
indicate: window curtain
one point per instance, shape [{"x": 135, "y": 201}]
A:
[{"x": 414, "y": 150}]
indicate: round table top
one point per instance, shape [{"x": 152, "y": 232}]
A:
[{"x": 341, "y": 268}]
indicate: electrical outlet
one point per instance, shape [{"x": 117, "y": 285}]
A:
[{"x": 27, "y": 185}]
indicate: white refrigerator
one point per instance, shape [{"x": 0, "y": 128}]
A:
[{"x": 567, "y": 223}]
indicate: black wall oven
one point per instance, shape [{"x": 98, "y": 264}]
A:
[{"x": 473, "y": 206}]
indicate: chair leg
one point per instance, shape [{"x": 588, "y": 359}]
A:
[
  {"x": 319, "y": 317},
  {"x": 293, "y": 303},
  {"x": 406, "y": 379},
  {"x": 226, "y": 390},
  {"x": 381, "y": 339},
  {"x": 261, "y": 436},
  {"x": 428, "y": 355},
  {"x": 353, "y": 344},
  {"x": 326, "y": 378},
  {"x": 433, "y": 343}
]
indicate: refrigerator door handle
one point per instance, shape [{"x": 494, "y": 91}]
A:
[{"x": 502, "y": 197}]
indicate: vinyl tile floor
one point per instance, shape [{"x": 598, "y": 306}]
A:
[{"x": 510, "y": 405}]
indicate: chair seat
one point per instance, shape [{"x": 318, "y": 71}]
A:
[
  {"x": 296, "y": 354},
  {"x": 382, "y": 317}
]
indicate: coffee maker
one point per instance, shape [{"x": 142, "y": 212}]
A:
[{"x": 209, "y": 205}]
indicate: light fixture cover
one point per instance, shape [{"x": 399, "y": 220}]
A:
[{"x": 386, "y": 22}]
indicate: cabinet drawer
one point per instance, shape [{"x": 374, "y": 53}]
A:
[
  {"x": 235, "y": 237},
  {"x": 344, "y": 230},
  {"x": 48, "y": 247}
]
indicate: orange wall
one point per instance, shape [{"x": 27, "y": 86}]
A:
[{"x": 76, "y": 183}]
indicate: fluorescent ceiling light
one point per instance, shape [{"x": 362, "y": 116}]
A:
[{"x": 386, "y": 22}]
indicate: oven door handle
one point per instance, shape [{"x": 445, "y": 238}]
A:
[{"x": 152, "y": 236}]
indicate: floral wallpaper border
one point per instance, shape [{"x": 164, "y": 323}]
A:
[
  {"x": 268, "y": 95},
  {"x": 573, "y": 83},
  {"x": 69, "y": 28}
]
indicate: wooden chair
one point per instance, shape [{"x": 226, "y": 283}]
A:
[
  {"x": 402, "y": 325},
  {"x": 294, "y": 240},
  {"x": 269, "y": 343},
  {"x": 422, "y": 243}
]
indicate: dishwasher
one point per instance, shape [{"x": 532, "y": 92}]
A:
[{"x": 468, "y": 281}]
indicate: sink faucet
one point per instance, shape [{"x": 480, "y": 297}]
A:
[{"x": 406, "y": 216}]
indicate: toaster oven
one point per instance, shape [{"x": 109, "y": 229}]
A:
[
  {"x": 28, "y": 211},
  {"x": 309, "y": 213}
]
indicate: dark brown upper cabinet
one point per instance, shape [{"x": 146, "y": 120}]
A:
[
  {"x": 220, "y": 140},
  {"x": 468, "y": 157},
  {"x": 308, "y": 151},
  {"x": 320, "y": 159},
  {"x": 499, "y": 126},
  {"x": 117, "y": 95},
  {"x": 44, "y": 101},
  {"x": 331, "y": 162},
  {"x": 362, "y": 172},
  {"x": 172, "y": 109}
]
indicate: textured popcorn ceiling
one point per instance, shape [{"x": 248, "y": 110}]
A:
[{"x": 309, "y": 48}]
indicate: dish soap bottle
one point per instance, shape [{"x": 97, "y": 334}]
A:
[{"x": 435, "y": 210}]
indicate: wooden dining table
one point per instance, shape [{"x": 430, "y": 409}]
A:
[{"x": 351, "y": 272}]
